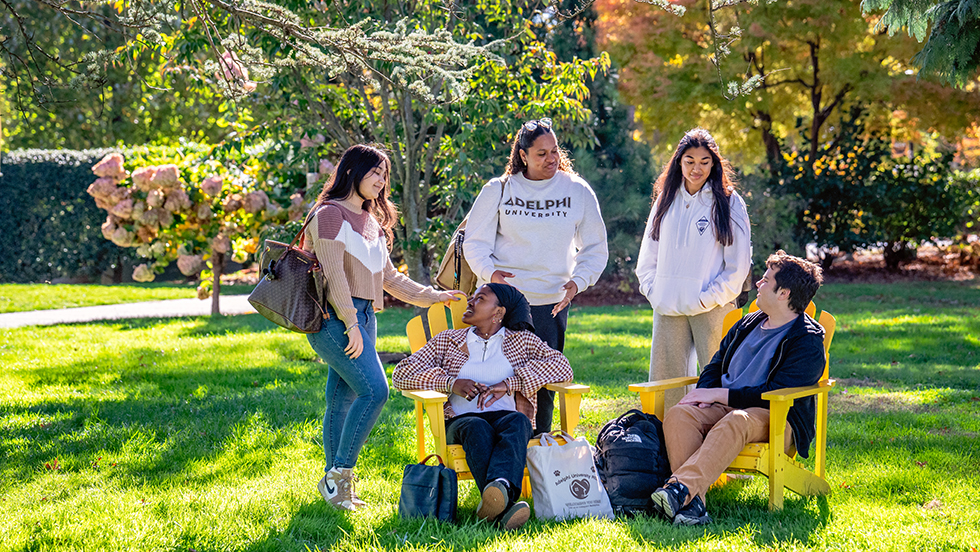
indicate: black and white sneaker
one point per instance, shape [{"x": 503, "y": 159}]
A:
[
  {"x": 694, "y": 513},
  {"x": 669, "y": 499}
]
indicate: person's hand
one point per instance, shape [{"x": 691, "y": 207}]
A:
[
  {"x": 571, "y": 290},
  {"x": 447, "y": 297},
  {"x": 355, "y": 343},
  {"x": 467, "y": 388},
  {"x": 704, "y": 397},
  {"x": 498, "y": 277},
  {"x": 490, "y": 394}
]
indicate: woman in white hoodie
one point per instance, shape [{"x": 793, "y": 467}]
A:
[
  {"x": 694, "y": 257},
  {"x": 539, "y": 229}
]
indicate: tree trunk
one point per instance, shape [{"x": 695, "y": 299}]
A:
[
  {"x": 217, "y": 264},
  {"x": 898, "y": 253}
]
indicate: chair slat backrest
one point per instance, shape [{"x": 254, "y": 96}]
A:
[{"x": 436, "y": 317}]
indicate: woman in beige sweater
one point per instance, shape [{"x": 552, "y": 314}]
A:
[{"x": 351, "y": 235}]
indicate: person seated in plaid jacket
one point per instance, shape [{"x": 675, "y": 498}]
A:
[{"x": 492, "y": 372}]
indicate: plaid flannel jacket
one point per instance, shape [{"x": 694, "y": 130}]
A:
[{"x": 435, "y": 366}]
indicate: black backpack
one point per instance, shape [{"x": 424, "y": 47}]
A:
[{"x": 631, "y": 458}]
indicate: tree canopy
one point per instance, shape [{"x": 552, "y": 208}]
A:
[{"x": 950, "y": 28}]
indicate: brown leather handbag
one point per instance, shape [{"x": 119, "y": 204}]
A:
[
  {"x": 454, "y": 272},
  {"x": 293, "y": 290}
]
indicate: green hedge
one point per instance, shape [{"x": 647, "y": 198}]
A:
[{"x": 50, "y": 226}]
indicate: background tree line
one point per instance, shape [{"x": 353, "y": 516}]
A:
[{"x": 826, "y": 85}]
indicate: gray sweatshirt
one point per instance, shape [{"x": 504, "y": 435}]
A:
[{"x": 545, "y": 232}]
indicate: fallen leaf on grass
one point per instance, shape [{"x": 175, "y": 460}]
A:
[
  {"x": 845, "y": 486},
  {"x": 933, "y": 504},
  {"x": 920, "y": 464}
]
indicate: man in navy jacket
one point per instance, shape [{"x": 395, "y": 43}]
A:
[{"x": 778, "y": 346}]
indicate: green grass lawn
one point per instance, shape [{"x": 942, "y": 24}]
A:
[
  {"x": 201, "y": 434},
  {"x": 29, "y": 297}
]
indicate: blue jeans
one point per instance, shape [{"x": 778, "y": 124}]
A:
[{"x": 357, "y": 389}]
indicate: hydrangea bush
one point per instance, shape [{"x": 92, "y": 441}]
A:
[{"x": 192, "y": 209}]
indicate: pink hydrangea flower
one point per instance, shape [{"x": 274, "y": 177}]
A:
[
  {"x": 165, "y": 217},
  {"x": 203, "y": 211},
  {"x": 166, "y": 176},
  {"x": 190, "y": 265},
  {"x": 221, "y": 244},
  {"x": 177, "y": 200},
  {"x": 146, "y": 234},
  {"x": 119, "y": 194},
  {"x": 212, "y": 185},
  {"x": 235, "y": 72},
  {"x": 256, "y": 201},
  {"x": 123, "y": 209},
  {"x": 233, "y": 203},
  {"x": 155, "y": 198},
  {"x": 111, "y": 166},
  {"x": 122, "y": 237},
  {"x": 143, "y": 178},
  {"x": 142, "y": 273},
  {"x": 109, "y": 227},
  {"x": 102, "y": 187},
  {"x": 326, "y": 167},
  {"x": 139, "y": 208},
  {"x": 149, "y": 217}
]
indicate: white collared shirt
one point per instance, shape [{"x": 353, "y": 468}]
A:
[{"x": 487, "y": 365}]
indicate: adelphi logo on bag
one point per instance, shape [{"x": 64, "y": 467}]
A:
[{"x": 580, "y": 488}]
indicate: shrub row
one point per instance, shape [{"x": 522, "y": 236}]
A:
[{"x": 50, "y": 226}]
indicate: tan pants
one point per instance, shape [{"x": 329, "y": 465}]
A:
[
  {"x": 702, "y": 442},
  {"x": 682, "y": 343}
]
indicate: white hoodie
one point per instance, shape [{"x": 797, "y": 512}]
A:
[
  {"x": 687, "y": 267},
  {"x": 545, "y": 232}
]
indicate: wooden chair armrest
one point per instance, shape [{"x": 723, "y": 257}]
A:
[
  {"x": 569, "y": 388},
  {"x": 429, "y": 404},
  {"x": 425, "y": 396},
  {"x": 662, "y": 385},
  {"x": 792, "y": 393},
  {"x": 569, "y": 403}
]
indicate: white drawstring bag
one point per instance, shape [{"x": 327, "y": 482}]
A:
[{"x": 564, "y": 482}]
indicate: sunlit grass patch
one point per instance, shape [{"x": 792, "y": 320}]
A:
[{"x": 204, "y": 434}]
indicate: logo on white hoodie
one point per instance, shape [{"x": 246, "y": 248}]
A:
[{"x": 702, "y": 225}]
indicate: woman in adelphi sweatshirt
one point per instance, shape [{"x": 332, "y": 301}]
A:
[
  {"x": 539, "y": 229},
  {"x": 694, "y": 257}
]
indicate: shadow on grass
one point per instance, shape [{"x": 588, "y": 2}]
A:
[{"x": 154, "y": 421}]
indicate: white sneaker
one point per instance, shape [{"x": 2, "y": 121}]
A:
[{"x": 337, "y": 488}]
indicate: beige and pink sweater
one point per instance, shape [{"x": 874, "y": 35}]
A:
[{"x": 354, "y": 257}]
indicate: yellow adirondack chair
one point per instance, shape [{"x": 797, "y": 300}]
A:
[
  {"x": 429, "y": 404},
  {"x": 768, "y": 458}
]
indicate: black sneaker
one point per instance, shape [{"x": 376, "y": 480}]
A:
[
  {"x": 669, "y": 499},
  {"x": 693, "y": 514}
]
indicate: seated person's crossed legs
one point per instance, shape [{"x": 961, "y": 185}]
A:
[
  {"x": 496, "y": 451},
  {"x": 701, "y": 444},
  {"x": 778, "y": 347}
]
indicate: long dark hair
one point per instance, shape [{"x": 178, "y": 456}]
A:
[
  {"x": 355, "y": 164},
  {"x": 524, "y": 140},
  {"x": 720, "y": 179}
]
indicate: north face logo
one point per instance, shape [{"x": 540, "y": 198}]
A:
[
  {"x": 632, "y": 438},
  {"x": 702, "y": 225}
]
